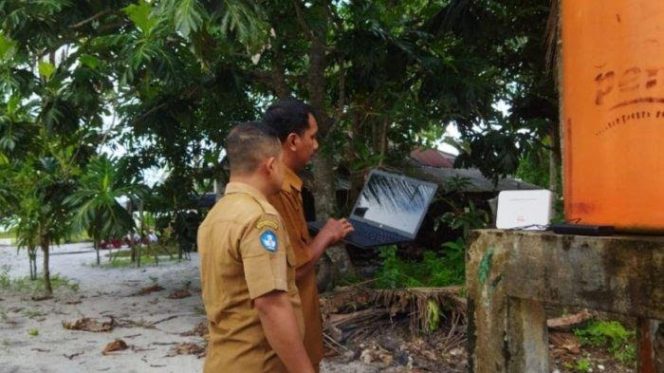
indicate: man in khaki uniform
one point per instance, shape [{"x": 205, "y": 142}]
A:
[
  {"x": 247, "y": 266},
  {"x": 296, "y": 127}
]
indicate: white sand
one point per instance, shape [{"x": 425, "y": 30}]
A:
[{"x": 103, "y": 293}]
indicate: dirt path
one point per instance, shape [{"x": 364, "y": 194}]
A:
[{"x": 33, "y": 339}]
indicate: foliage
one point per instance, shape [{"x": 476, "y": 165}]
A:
[
  {"x": 620, "y": 342},
  {"x": 534, "y": 168},
  {"x": 466, "y": 219},
  {"x": 96, "y": 200},
  {"x": 165, "y": 80},
  {"x": 510, "y": 40},
  {"x": 433, "y": 270},
  {"x": 463, "y": 214}
]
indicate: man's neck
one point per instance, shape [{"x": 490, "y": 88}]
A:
[
  {"x": 254, "y": 181},
  {"x": 291, "y": 162}
]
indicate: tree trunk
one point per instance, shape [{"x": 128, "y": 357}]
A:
[
  {"x": 324, "y": 175},
  {"x": 32, "y": 260},
  {"x": 47, "y": 273},
  {"x": 278, "y": 76},
  {"x": 96, "y": 245},
  {"x": 380, "y": 139},
  {"x": 557, "y": 128},
  {"x": 324, "y": 186},
  {"x": 132, "y": 246}
]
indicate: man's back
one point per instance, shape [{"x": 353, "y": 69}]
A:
[{"x": 244, "y": 254}]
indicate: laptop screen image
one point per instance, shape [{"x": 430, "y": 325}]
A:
[{"x": 394, "y": 202}]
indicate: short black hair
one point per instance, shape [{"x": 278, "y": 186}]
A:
[
  {"x": 250, "y": 143},
  {"x": 288, "y": 115}
]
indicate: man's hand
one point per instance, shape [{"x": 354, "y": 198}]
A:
[
  {"x": 282, "y": 332},
  {"x": 334, "y": 230}
]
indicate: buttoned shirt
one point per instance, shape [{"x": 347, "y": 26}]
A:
[
  {"x": 288, "y": 203},
  {"x": 245, "y": 253}
]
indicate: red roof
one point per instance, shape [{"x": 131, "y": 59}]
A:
[{"x": 433, "y": 158}]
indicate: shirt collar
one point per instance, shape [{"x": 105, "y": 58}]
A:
[
  {"x": 291, "y": 180},
  {"x": 239, "y": 187}
]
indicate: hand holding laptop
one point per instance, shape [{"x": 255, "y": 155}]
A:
[{"x": 335, "y": 230}]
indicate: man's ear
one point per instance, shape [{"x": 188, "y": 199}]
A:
[
  {"x": 270, "y": 164},
  {"x": 292, "y": 140}
]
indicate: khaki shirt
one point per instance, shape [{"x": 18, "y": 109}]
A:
[
  {"x": 289, "y": 204},
  {"x": 244, "y": 253}
]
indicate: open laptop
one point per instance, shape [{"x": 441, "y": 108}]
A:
[
  {"x": 524, "y": 209},
  {"x": 389, "y": 210}
]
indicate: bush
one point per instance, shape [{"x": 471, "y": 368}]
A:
[{"x": 434, "y": 270}]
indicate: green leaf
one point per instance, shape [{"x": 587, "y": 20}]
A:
[
  {"x": 140, "y": 15},
  {"x": 46, "y": 69},
  {"x": 188, "y": 18},
  {"x": 7, "y": 48},
  {"x": 89, "y": 61}
]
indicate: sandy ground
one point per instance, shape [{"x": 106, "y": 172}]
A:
[{"x": 149, "y": 324}]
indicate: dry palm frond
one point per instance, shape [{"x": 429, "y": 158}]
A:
[{"x": 417, "y": 302}]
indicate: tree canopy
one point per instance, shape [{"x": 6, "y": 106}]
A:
[{"x": 160, "y": 83}]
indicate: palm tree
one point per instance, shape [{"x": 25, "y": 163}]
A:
[{"x": 96, "y": 200}]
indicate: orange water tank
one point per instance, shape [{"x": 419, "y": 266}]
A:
[{"x": 613, "y": 113}]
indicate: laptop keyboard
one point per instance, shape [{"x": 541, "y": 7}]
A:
[{"x": 368, "y": 235}]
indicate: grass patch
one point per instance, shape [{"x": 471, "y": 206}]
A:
[
  {"x": 152, "y": 255},
  {"x": 26, "y": 285},
  {"x": 33, "y": 332},
  {"x": 32, "y": 313},
  {"x": 125, "y": 261},
  {"x": 3, "y": 315},
  {"x": 620, "y": 342},
  {"x": 582, "y": 365},
  {"x": 9, "y": 234},
  {"x": 152, "y": 250}
]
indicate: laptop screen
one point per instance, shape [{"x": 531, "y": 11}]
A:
[{"x": 394, "y": 201}]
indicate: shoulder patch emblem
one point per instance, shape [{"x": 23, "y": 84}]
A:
[
  {"x": 269, "y": 241},
  {"x": 269, "y": 223}
]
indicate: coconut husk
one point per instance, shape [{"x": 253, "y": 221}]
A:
[{"x": 116, "y": 345}]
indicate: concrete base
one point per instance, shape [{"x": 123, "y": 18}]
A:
[{"x": 511, "y": 274}]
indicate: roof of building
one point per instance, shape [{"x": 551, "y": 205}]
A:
[
  {"x": 438, "y": 167},
  {"x": 474, "y": 181},
  {"x": 433, "y": 158}
]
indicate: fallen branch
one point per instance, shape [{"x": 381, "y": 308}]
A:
[
  {"x": 566, "y": 323},
  {"x": 165, "y": 319},
  {"x": 72, "y": 356},
  {"x": 332, "y": 344}
]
